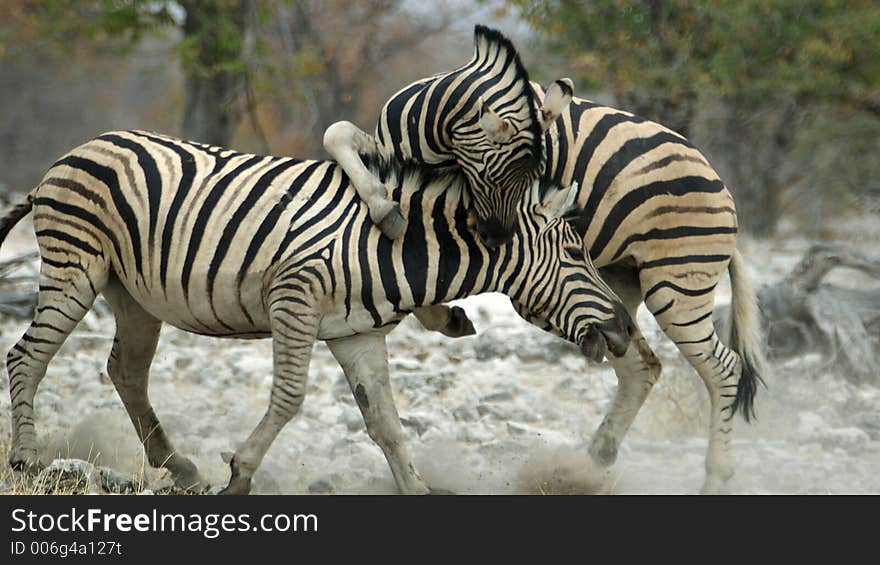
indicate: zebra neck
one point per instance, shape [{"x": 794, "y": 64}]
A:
[{"x": 442, "y": 259}]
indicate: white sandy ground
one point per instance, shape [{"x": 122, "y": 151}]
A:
[{"x": 508, "y": 411}]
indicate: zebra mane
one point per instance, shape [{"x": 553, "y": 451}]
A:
[
  {"x": 397, "y": 172},
  {"x": 485, "y": 38}
]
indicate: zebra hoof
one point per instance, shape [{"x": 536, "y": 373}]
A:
[
  {"x": 237, "y": 486},
  {"x": 25, "y": 461},
  {"x": 393, "y": 224},
  {"x": 186, "y": 476},
  {"x": 459, "y": 325},
  {"x": 237, "y": 483}
]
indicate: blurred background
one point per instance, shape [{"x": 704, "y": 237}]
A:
[{"x": 783, "y": 96}]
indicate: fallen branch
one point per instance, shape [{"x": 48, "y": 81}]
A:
[{"x": 800, "y": 314}]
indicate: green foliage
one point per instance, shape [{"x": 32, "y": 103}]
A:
[
  {"x": 813, "y": 49},
  {"x": 212, "y": 29},
  {"x": 212, "y": 43},
  {"x": 59, "y": 24}
]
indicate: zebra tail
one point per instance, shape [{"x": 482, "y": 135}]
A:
[
  {"x": 18, "y": 212},
  {"x": 744, "y": 336}
]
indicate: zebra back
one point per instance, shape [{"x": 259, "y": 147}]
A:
[{"x": 639, "y": 181}]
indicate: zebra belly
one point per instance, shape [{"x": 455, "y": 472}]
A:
[
  {"x": 337, "y": 323},
  {"x": 228, "y": 309}
]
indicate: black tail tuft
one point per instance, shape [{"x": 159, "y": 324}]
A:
[
  {"x": 746, "y": 390},
  {"x": 745, "y": 337}
]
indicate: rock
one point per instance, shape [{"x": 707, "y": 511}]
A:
[
  {"x": 66, "y": 476},
  {"x": 115, "y": 482},
  {"x": 321, "y": 486},
  {"x": 810, "y": 424},
  {"x": 264, "y": 483},
  {"x": 353, "y": 420},
  {"x": 498, "y": 396},
  {"x": 870, "y": 423},
  {"x": 416, "y": 422},
  {"x": 465, "y": 413},
  {"x": 530, "y": 344},
  {"x": 849, "y": 439},
  {"x": 162, "y": 484}
]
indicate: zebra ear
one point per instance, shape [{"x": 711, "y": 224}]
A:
[
  {"x": 556, "y": 100},
  {"x": 557, "y": 203},
  {"x": 496, "y": 128}
]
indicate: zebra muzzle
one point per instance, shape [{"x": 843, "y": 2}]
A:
[
  {"x": 593, "y": 345},
  {"x": 600, "y": 339}
]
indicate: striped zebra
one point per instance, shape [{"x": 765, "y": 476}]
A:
[
  {"x": 234, "y": 245},
  {"x": 661, "y": 226},
  {"x": 482, "y": 118}
]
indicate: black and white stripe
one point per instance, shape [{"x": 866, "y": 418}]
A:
[
  {"x": 483, "y": 119},
  {"x": 433, "y": 119},
  {"x": 654, "y": 216},
  {"x": 662, "y": 227},
  {"x": 228, "y": 244}
]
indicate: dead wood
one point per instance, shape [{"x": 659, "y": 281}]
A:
[{"x": 801, "y": 314}]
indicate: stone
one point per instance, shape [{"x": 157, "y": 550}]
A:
[
  {"x": 115, "y": 482},
  {"x": 66, "y": 476},
  {"x": 321, "y": 486}
]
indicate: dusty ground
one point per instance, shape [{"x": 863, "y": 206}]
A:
[{"x": 508, "y": 411}]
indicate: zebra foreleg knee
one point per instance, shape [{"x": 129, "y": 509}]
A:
[
  {"x": 345, "y": 141},
  {"x": 385, "y": 213}
]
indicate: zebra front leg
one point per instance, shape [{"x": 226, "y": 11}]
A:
[
  {"x": 343, "y": 141},
  {"x": 294, "y": 328},
  {"x": 450, "y": 321},
  {"x": 137, "y": 334},
  {"x": 364, "y": 359},
  {"x": 637, "y": 371}
]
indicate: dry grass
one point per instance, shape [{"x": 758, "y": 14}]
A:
[{"x": 17, "y": 482}]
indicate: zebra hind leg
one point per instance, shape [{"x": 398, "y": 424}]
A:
[
  {"x": 690, "y": 327},
  {"x": 364, "y": 359},
  {"x": 344, "y": 141},
  {"x": 137, "y": 334},
  {"x": 294, "y": 329},
  {"x": 67, "y": 291}
]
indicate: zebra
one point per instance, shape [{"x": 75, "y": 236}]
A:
[
  {"x": 235, "y": 245},
  {"x": 482, "y": 118},
  {"x": 661, "y": 226}
]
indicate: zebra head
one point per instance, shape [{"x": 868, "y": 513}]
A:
[
  {"x": 504, "y": 159},
  {"x": 562, "y": 290},
  {"x": 496, "y": 122}
]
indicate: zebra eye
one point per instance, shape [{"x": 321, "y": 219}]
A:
[{"x": 575, "y": 252}]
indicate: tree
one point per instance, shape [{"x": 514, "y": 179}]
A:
[
  {"x": 295, "y": 65},
  {"x": 745, "y": 69},
  {"x": 211, "y": 51},
  {"x": 321, "y": 61}
]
